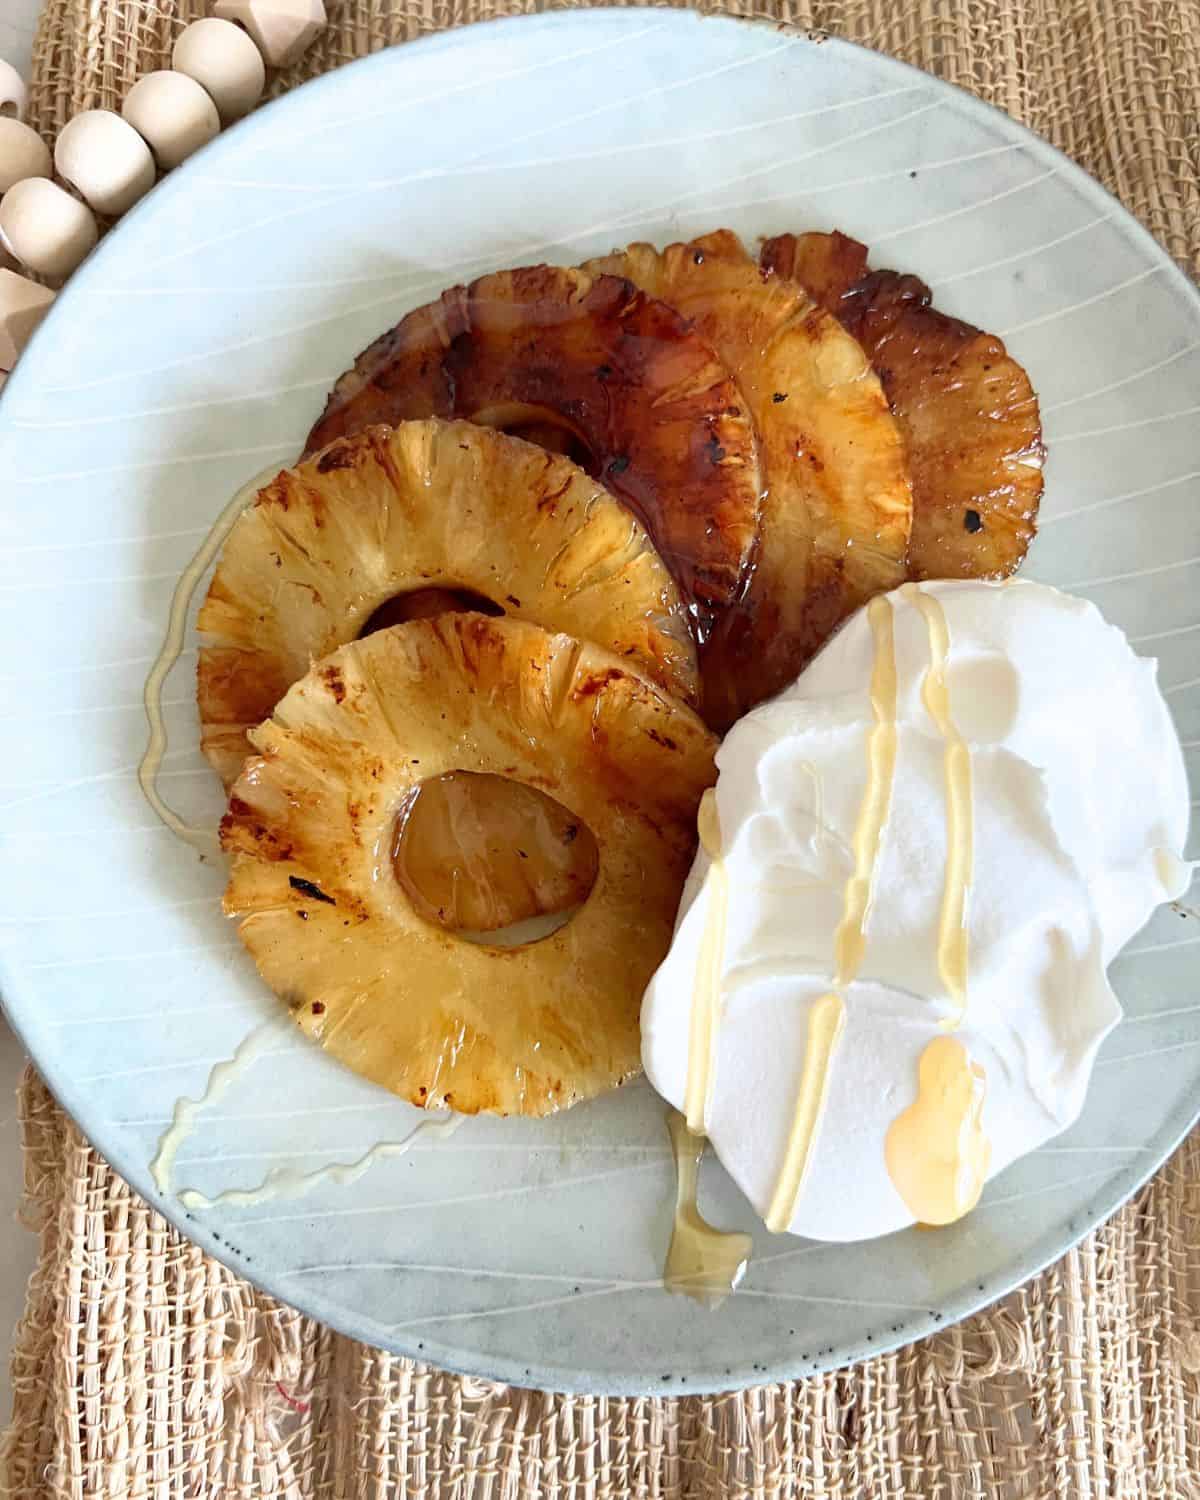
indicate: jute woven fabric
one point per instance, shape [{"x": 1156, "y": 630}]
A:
[{"x": 143, "y": 1368}]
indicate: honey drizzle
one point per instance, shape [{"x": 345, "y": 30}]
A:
[
  {"x": 703, "y": 1263},
  {"x": 290, "y": 1182},
  {"x": 953, "y": 947},
  {"x": 204, "y": 839},
  {"x": 937, "y": 1154},
  {"x": 827, "y": 1014},
  {"x": 706, "y": 994},
  {"x": 187, "y": 1111}
]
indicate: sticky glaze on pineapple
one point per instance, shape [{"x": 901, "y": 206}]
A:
[{"x": 662, "y": 422}]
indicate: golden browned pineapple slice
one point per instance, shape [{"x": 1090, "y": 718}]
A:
[
  {"x": 836, "y": 516},
  {"x": 426, "y": 511},
  {"x": 433, "y": 1017},
  {"x": 967, "y": 410},
  {"x": 655, "y": 412}
]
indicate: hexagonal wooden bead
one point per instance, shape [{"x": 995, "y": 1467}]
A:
[
  {"x": 283, "y": 29},
  {"x": 45, "y": 228},
  {"x": 105, "y": 159},
  {"x": 14, "y": 96},
  {"x": 23, "y": 305},
  {"x": 225, "y": 61},
  {"x": 23, "y": 154},
  {"x": 174, "y": 114}
]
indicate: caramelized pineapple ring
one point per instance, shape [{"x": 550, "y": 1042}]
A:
[
  {"x": 624, "y": 375},
  {"x": 437, "y": 1019},
  {"x": 430, "y": 505},
  {"x": 967, "y": 410},
  {"x": 838, "y": 507}
]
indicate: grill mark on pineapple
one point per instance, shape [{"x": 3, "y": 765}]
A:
[
  {"x": 242, "y": 829},
  {"x": 340, "y": 455},
  {"x": 595, "y": 683},
  {"x": 310, "y": 888},
  {"x": 334, "y": 681}
]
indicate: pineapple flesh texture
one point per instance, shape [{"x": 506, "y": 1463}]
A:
[
  {"x": 967, "y": 410},
  {"x": 437, "y": 507},
  {"x": 441, "y": 1021},
  {"x": 836, "y": 515},
  {"x": 627, "y": 377}
]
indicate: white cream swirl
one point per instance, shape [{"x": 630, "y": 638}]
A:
[{"x": 1077, "y": 806}]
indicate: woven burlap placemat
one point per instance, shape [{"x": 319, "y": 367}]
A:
[{"x": 143, "y": 1368}]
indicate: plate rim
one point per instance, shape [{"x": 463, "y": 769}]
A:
[{"x": 741, "y": 1372}]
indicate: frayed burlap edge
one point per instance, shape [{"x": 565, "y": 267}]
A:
[{"x": 143, "y": 1368}]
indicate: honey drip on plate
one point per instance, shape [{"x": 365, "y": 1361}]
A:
[
  {"x": 953, "y": 954},
  {"x": 172, "y": 647},
  {"x": 937, "y": 1154},
  {"x": 291, "y": 1182},
  {"x": 703, "y": 1263},
  {"x": 220, "y": 1080},
  {"x": 827, "y": 1014},
  {"x": 706, "y": 995}
]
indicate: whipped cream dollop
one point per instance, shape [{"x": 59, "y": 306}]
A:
[{"x": 888, "y": 978}]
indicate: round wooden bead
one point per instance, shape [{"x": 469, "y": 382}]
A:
[
  {"x": 23, "y": 154},
  {"x": 104, "y": 159},
  {"x": 174, "y": 114},
  {"x": 47, "y": 230},
  {"x": 224, "y": 60},
  {"x": 14, "y": 96}
]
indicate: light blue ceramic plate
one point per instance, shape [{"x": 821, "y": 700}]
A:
[{"x": 195, "y": 348}]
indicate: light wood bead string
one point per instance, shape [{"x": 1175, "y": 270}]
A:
[
  {"x": 174, "y": 113},
  {"x": 46, "y": 229},
  {"x": 105, "y": 160},
  {"x": 110, "y": 159},
  {"x": 23, "y": 154},
  {"x": 223, "y": 59},
  {"x": 14, "y": 96}
]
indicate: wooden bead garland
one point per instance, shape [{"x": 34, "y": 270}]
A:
[
  {"x": 223, "y": 59},
  {"x": 174, "y": 114},
  {"x": 23, "y": 154},
  {"x": 47, "y": 230},
  {"x": 105, "y": 160},
  {"x": 14, "y": 96},
  {"x": 23, "y": 305},
  {"x": 219, "y": 76}
]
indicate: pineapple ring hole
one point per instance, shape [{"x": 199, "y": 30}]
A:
[
  {"x": 540, "y": 425},
  {"x": 491, "y": 859},
  {"x": 423, "y": 604}
]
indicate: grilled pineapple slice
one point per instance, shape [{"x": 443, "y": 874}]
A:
[
  {"x": 623, "y": 376},
  {"x": 438, "y": 507},
  {"x": 967, "y": 410},
  {"x": 836, "y": 516},
  {"x": 436, "y": 1019},
  {"x": 431, "y": 506}
]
